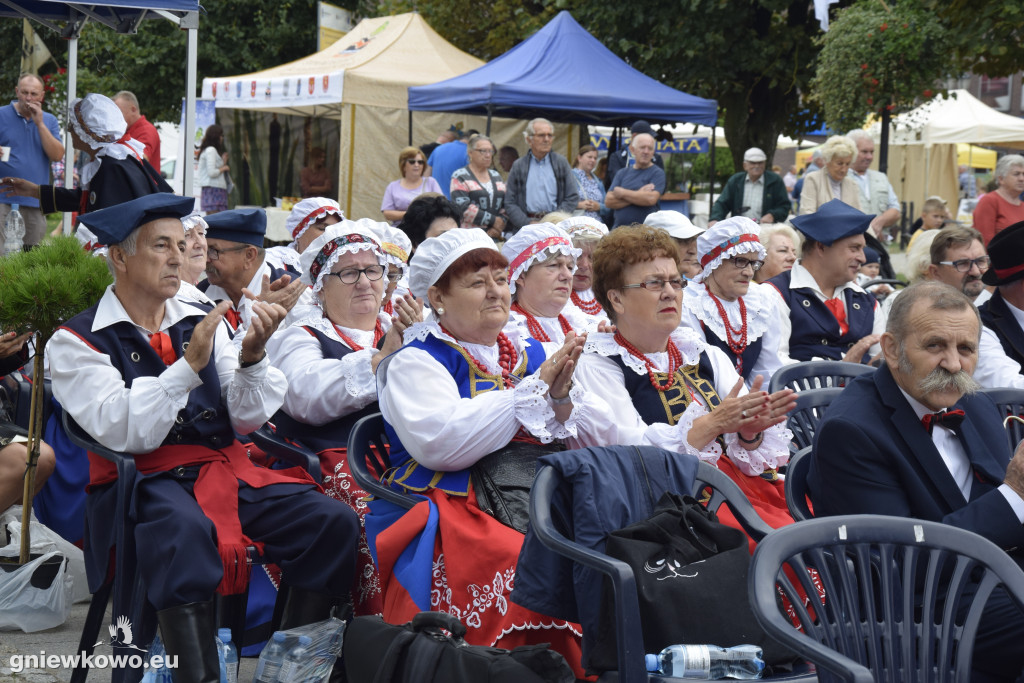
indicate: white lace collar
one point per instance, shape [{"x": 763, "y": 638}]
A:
[
  {"x": 486, "y": 354},
  {"x": 321, "y": 323},
  {"x": 698, "y": 301},
  {"x": 685, "y": 339}
]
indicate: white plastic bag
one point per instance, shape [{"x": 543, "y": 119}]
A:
[
  {"x": 44, "y": 539},
  {"x": 23, "y": 605}
]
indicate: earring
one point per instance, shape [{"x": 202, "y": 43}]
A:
[{"x": 440, "y": 310}]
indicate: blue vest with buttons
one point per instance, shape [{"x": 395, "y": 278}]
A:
[
  {"x": 749, "y": 355},
  {"x": 204, "y": 420},
  {"x": 666, "y": 406},
  {"x": 409, "y": 474},
  {"x": 815, "y": 331},
  {"x": 334, "y": 434}
]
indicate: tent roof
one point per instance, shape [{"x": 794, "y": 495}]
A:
[
  {"x": 121, "y": 15},
  {"x": 372, "y": 64},
  {"x": 960, "y": 117},
  {"x": 532, "y": 80}
]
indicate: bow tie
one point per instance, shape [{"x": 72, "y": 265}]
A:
[{"x": 950, "y": 419}]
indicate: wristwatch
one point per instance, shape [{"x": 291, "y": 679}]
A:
[{"x": 243, "y": 364}]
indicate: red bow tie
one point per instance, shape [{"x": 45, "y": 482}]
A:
[
  {"x": 161, "y": 343},
  {"x": 233, "y": 317},
  {"x": 950, "y": 419}
]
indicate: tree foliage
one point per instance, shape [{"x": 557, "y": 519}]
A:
[
  {"x": 877, "y": 57},
  {"x": 988, "y": 35}
]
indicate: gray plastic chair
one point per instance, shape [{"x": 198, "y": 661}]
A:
[
  {"x": 803, "y": 420},
  {"x": 368, "y": 460},
  {"x": 903, "y": 597},
  {"x": 816, "y": 374},
  {"x": 796, "y": 485}
]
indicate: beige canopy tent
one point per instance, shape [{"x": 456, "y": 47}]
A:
[
  {"x": 923, "y": 143},
  {"x": 363, "y": 80}
]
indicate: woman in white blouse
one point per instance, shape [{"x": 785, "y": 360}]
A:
[
  {"x": 585, "y": 233},
  {"x": 329, "y": 357},
  {"x": 655, "y": 382},
  {"x": 726, "y": 308},
  {"x": 469, "y": 406}
]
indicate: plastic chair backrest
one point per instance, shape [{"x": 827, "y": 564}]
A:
[
  {"x": 816, "y": 374},
  {"x": 796, "y": 485},
  {"x": 810, "y": 407},
  {"x": 902, "y": 597},
  {"x": 556, "y": 534},
  {"x": 296, "y": 454},
  {"x": 368, "y": 460},
  {"x": 1010, "y": 401}
]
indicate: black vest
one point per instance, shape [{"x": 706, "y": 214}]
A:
[
  {"x": 334, "y": 434},
  {"x": 666, "y": 406},
  {"x": 997, "y": 316},
  {"x": 749, "y": 355}
]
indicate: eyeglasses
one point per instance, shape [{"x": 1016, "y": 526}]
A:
[
  {"x": 486, "y": 152},
  {"x": 350, "y": 276},
  {"x": 656, "y": 284},
  {"x": 964, "y": 264},
  {"x": 213, "y": 253},
  {"x": 393, "y": 277},
  {"x": 742, "y": 263},
  {"x": 418, "y": 162}
]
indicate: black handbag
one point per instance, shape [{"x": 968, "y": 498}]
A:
[
  {"x": 691, "y": 582},
  {"x": 421, "y": 652},
  {"x": 502, "y": 481}
]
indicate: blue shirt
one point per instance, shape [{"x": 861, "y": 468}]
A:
[
  {"x": 633, "y": 179},
  {"x": 541, "y": 186},
  {"x": 27, "y": 160},
  {"x": 445, "y": 160}
]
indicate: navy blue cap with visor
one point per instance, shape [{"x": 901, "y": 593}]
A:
[
  {"x": 833, "y": 221},
  {"x": 246, "y": 226},
  {"x": 114, "y": 223}
]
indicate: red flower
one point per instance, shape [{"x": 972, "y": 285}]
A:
[
  {"x": 864, "y": 66},
  {"x": 871, "y": 100},
  {"x": 883, "y": 27},
  {"x": 874, "y": 81},
  {"x": 927, "y": 93}
]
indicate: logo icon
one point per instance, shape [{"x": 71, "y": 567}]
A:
[
  {"x": 121, "y": 634},
  {"x": 215, "y": 88}
]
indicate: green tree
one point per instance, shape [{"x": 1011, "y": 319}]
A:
[
  {"x": 879, "y": 57},
  {"x": 988, "y": 35}
]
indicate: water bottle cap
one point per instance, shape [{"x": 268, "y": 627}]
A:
[
  {"x": 15, "y": 207},
  {"x": 279, "y": 636},
  {"x": 224, "y": 634},
  {"x": 651, "y": 662},
  {"x": 304, "y": 641}
]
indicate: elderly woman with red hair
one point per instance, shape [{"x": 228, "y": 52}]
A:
[{"x": 496, "y": 403}]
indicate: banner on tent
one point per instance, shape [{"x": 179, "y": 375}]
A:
[
  {"x": 285, "y": 91},
  {"x": 681, "y": 145}
]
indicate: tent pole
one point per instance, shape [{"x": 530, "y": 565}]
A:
[
  {"x": 490, "y": 112},
  {"x": 186, "y": 156},
  {"x": 883, "y": 152},
  {"x": 69, "y": 149},
  {"x": 711, "y": 185},
  {"x": 410, "y": 127}
]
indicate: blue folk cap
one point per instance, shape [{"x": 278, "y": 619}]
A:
[
  {"x": 870, "y": 256},
  {"x": 114, "y": 223},
  {"x": 833, "y": 221},
  {"x": 247, "y": 226}
]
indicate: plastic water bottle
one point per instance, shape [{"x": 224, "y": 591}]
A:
[
  {"x": 708, "y": 662},
  {"x": 297, "y": 658},
  {"x": 161, "y": 674},
  {"x": 268, "y": 670},
  {"x": 228, "y": 657},
  {"x": 14, "y": 231}
]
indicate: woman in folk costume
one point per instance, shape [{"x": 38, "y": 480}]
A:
[
  {"x": 328, "y": 357},
  {"x": 726, "y": 308},
  {"x": 541, "y": 263},
  {"x": 307, "y": 221},
  {"x": 585, "y": 232},
  {"x": 496, "y": 403},
  {"x": 116, "y": 171},
  {"x": 397, "y": 247},
  {"x": 655, "y": 382}
]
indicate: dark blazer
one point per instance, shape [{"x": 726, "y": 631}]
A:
[
  {"x": 872, "y": 455},
  {"x": 997, "y": 317}
]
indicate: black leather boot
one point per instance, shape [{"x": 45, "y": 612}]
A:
[{"x": 188, "y": 631}]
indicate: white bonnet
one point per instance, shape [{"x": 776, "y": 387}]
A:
[
  {"x": 341, "y": 238},
  {"x": 435, "y": 255},
  {"x": 726, "y": 239},
  {"x": 533, "y": 243},
  {"x": 194, "y": 220},
  {"x": 396, "y": 245},
  {"x": 583, "y": 226},
  {"x": 309, "y": 211}
]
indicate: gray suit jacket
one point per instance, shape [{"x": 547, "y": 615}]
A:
[{"x": 515, "y": 189}]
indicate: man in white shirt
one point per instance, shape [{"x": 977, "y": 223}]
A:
[
  {"x": 910, "y": 440},
  {"x": 152, "y": 376}
]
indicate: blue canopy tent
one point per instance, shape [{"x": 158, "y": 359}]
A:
[
  {"x": 123, "y": 16},
  {"x": 564, "y": 74}
]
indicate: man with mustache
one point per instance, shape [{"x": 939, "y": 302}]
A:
[{"x": 914, "y": 440}]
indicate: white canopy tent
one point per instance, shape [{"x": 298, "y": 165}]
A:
[
  {"x": 363, "y": 80},
  {"x": 123, "y": 16},
  {"x": 923, "y": 143}
]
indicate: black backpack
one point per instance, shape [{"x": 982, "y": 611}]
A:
[{"x": 421, "y": 652}]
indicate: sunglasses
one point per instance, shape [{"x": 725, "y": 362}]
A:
[{"x": 418, "y": 162}]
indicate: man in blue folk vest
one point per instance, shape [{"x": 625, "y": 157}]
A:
[
  {"x": 148, "y": 374},
  {"x": 237, "y": 270},
  {"x": 826, "y": 314}
]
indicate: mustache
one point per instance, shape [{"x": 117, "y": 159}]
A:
[{"x": 941, "y": 380}]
